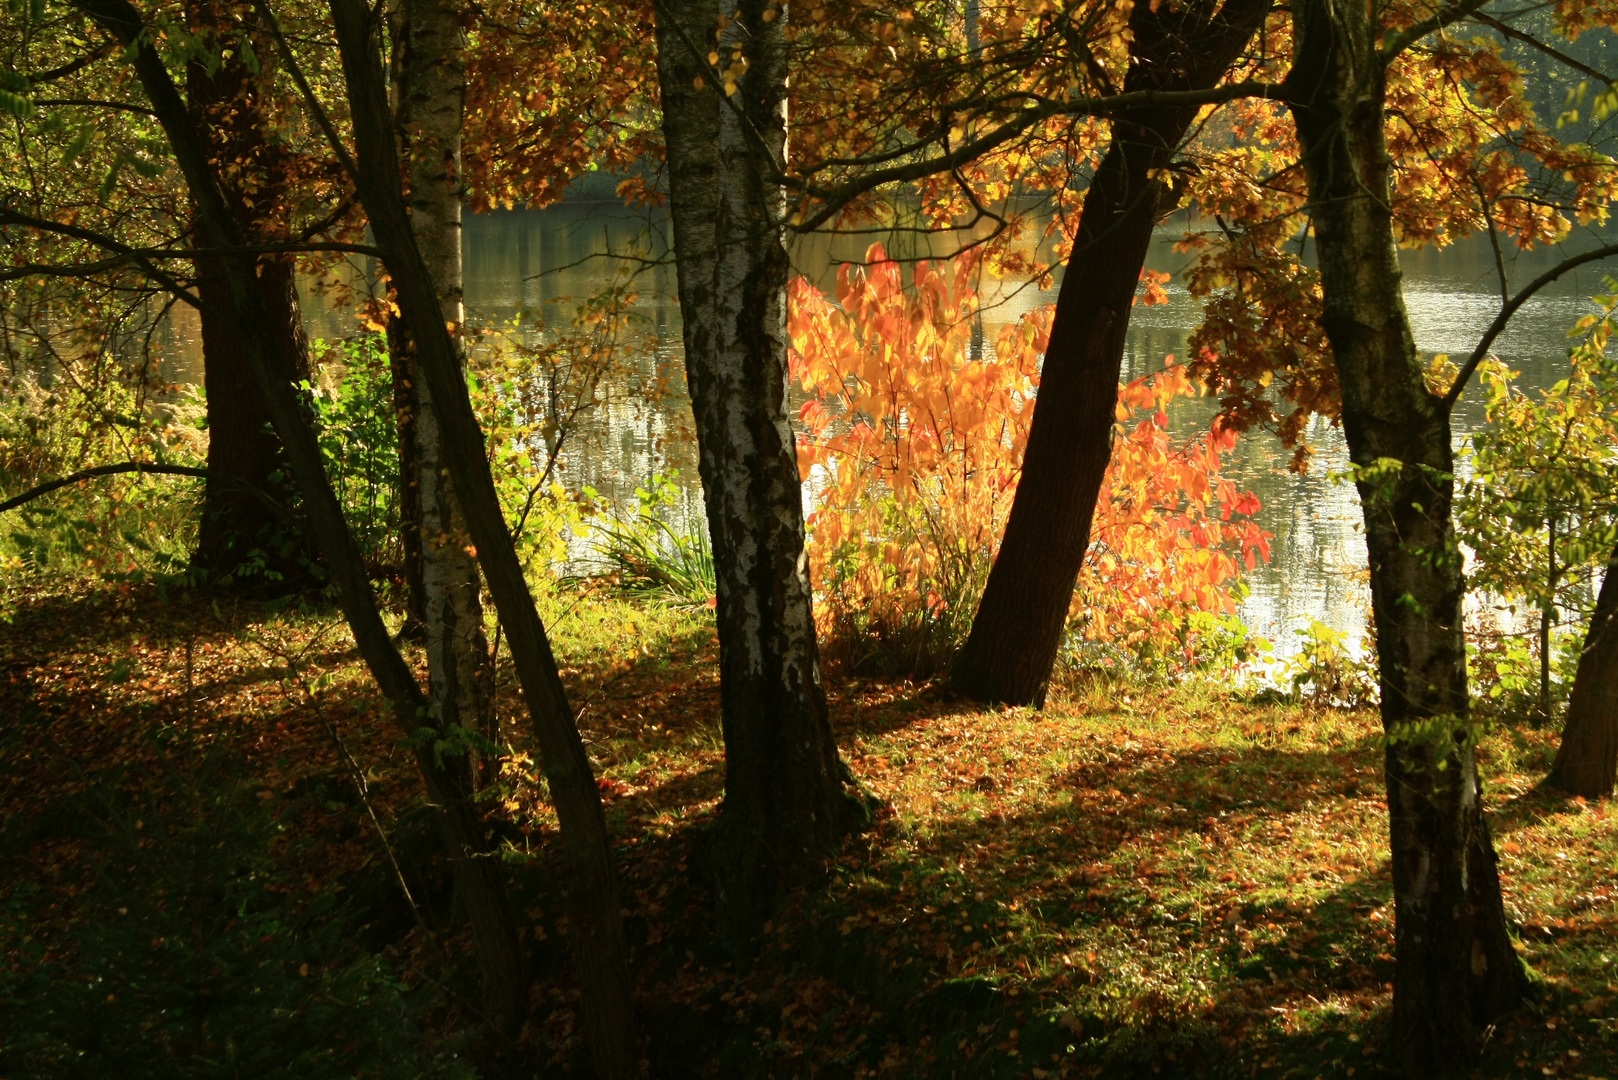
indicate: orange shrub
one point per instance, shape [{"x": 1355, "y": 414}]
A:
[{"x": 912, "y": 450}]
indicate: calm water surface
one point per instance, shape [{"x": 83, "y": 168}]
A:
[{"x": 534, "y": 261}]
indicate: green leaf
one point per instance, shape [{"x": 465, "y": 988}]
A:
[{"x": 16, "y": 104}]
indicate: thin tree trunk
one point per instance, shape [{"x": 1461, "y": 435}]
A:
[
  {"x": 241, "y": 444},
  {"x": 596, "y": 921},
  {"x": 1587, "y": 761},
  {"x": 785, "y": 810},
  {"x": 439, "y": 754},
  {"x": 432, "y": 93},
  {"x": 1018, "y": 627},
  {"x": 405, "y": 408},
  {"x": 1456, "y": 971}
]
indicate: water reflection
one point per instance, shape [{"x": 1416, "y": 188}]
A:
[
  {"x": 521, "y": 260},
  {"x": 525, "y": 268}
]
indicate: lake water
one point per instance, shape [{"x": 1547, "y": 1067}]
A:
[{"x": 534, "y": 260}]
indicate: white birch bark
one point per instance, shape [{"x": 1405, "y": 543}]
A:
[{"x": 785, "y": 809}]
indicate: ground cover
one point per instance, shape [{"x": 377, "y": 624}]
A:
[{"x": 217, "y": 862}]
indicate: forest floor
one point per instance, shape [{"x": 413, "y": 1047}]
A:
[{"x": 209, "y": 830}]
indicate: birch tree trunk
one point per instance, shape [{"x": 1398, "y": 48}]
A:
[
  {"x": 1018, "y": 628},
  {"x": 596, "y": 921},
  {"x": 785, "y": 809},
  {"x": 1587, "y": 761},
  {"x": 430, "y": 67},
  {"x": 439, "y": 753},
  {"x": 1456, "y": 971}
]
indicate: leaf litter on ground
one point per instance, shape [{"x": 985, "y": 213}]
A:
[{"x": 1141, "y": 879}]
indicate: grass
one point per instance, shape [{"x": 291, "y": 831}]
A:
[{"x": 1141, "y": 880}]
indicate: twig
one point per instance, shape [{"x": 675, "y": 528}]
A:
[{"x": 1499, "y": 325}]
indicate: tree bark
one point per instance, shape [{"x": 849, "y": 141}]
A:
[
  {"x": 440, "y": 754},
  {"x": 1587, "y": 761},
  {"x": 1456, "y": 971},
  {"x": 432, "y": 93},
  {"x": 405, "y": 408},
  {"x": 596, "y": 921},
  {"x": 1017, "y": 631},
  {"x": 241, "y": 443},
  {"x": 785, "y": 809}
]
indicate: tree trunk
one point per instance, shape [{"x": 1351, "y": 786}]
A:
[
  {"x": 405, "y": 407},
  {"x": 243, "y": 451},
  {"x": 440, "y": 754},
  {"x": 1018, "y": 628},
  {"x": 1456, "y": 971},
  {"x": 596, "y": 921},
  {"x": 1587, "y": 762},
  {"x": 785, "y": 810},
  {"x": 432, "y": 91}
]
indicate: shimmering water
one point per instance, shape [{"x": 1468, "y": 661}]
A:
[{"x": 534, "y": 260}]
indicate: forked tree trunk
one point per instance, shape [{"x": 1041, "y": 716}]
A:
[
  {"x": 596, "y": 921},
  {"x": 439, "y": 753},
  {"x": 1017, "y": 631},
  {"x": 243, "y": 450},
  {"x": 1587, "y": 761},
  {"x": 431, "y": 72},
  {"x": 785, "y": 810},
  {"x": 1456, "y": 971}
]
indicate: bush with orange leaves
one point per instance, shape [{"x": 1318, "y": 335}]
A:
[{"x": 912, "y": 449}]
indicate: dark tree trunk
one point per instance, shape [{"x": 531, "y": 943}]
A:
[
  {"x": 1456, "y": 971},
  {"x": 261, "y": 330},
  {"x": 405, "y": 407},
  {"x": 596, "y": 921},
  {"x": 1587, "y": 762},
  {"x": 243, "y": 450},
  {"x": 1018, "y": 628},
  {"x": 785, "y": 810}
]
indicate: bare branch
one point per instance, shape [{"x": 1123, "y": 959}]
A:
[
  {"x": 106, "y": 470},
  {"x": 834, "y": 199},
  {"x": 96, "y": 103},
  {"x": 1553, "y": 53},
  {"x": 106, "y": 243},
  {"x": 1510, "y": 309},
  {"x": 1398, "y": 43}
]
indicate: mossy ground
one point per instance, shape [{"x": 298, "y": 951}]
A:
[{"x": 204, "y": 799}]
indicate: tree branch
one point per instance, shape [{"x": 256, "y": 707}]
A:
[
  {"x": 112, "y": 470},
  {"x": 106, "y": 243},
  {"x": 1510, "y": 309},
  {"x": 834, "y": 199},
  {"x": 1531, "y": 40},
  {"x": 1401, "y": 41},
  {"x": 70, "y": 67},
  {"x": 322, "y": 118},
  {"x": 97, "y": 104}
]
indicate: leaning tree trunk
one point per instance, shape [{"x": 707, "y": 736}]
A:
[
  {"x": 431, "y": 72},
  {"x": 1587, "y": 762},
  {"x": 1018, "y": 628},
  {"x": 406, "y": 405},
  {"x": 596, "y": 923},
  {"x": 440, "y": 753},
  {"x": 1456, "y": 971},
  {"x": 243, "y": 450},
  {"x": 785, "y": 810}
]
